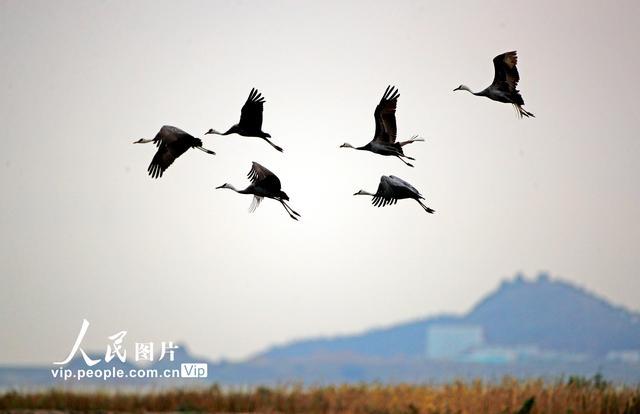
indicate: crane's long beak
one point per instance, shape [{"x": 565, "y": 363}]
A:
[
  {"x": 456, "y": 89},
  {"x": 220, "y": 186}
]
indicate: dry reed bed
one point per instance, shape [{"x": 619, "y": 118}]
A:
[{"x": 508, "y": 396}]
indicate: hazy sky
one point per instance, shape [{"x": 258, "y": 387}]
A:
[{"x": 86, "y": 233}]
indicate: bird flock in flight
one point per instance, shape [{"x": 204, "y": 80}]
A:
[{"x": 172, "y": 142}]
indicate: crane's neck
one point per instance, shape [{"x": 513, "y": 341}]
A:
[
  {"x": 233, "y": 188},
  {"x": 466, "y": 88},
  {"x": 362, "y": 148},
  {"x": 230, "y": 131},
  {"x": 229, "y": 186}
]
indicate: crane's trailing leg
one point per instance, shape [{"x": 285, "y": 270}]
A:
[
  {"x": 427, "y": 209},
  {"x": 206, "y": 150},
  {"x": 289, "y": 210},
  {"x": 523, "y": 113},
  {"x": 273, "y": 145},
  {"x": 400, "y": 158}
]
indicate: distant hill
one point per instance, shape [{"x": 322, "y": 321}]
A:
[
  {"x": 550, "y": 314},
  {"x": 407, "y": 339},
  {"x": 555, "y": 315}
]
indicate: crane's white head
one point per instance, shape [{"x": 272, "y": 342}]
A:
[
  {"x": 462, "y": 88},
  {"x": 346, "y": 145}
]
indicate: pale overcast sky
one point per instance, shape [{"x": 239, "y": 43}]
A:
[{"x": 86, "y": 233}]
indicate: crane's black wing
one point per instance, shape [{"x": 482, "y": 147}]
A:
[
  {"x": 172, "y": 142},
  {"x": 392, "y": 188},
  {"x": 506, "y": 73},
  {"x": 385, "y": 194},
  {"x": 169, "y": 134},
  {"x": 385, "y": 116},
  {"x": 262, "y": 177},
  {"x": 401, "y": 187},
  {"x": 251, "y": 114},
  {"x": 165, "y": 156}
]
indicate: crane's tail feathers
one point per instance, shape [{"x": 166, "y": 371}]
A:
[
  {"x": 414, "y": 138},
  {"x": 427, "y": 209},
  {"x": 522, "y": 113},
  {"x": 206, "y": 150}
]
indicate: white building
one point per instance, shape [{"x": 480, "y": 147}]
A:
[
  {"x": 449, "y": 341},
  {"x": 629, "y": 356}
]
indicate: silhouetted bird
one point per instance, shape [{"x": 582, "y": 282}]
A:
[
  {"x": 250, "y": 124},
  {"x": 264, "y": 183},
  {"x": 384, "y": 139},
  {"x": 527, "y": 406},
  {"x": 172, "y": 142},
  {"x": 505, "y": 81},
  {"x": 391, "y": 189}
]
